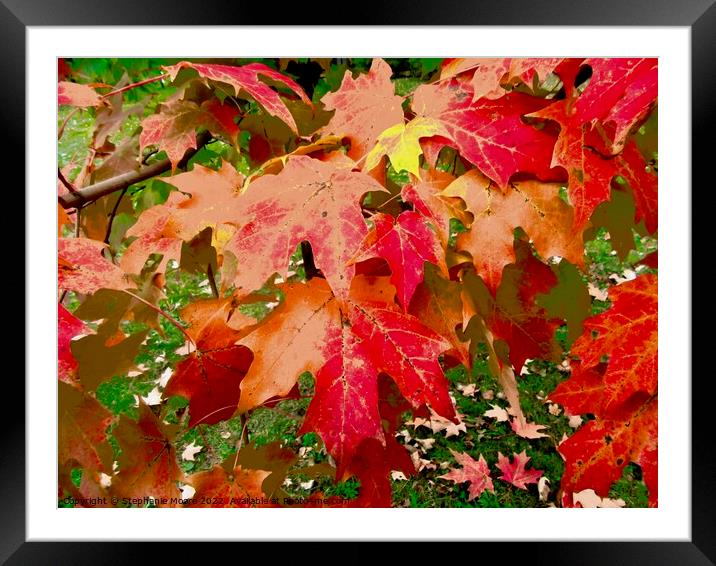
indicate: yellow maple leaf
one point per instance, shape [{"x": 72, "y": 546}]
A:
[{"x": 402, "y": 146}]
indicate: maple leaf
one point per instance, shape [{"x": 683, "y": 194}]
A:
[
  {"x": 497, "y": 413},
  {"x": 530, "y": 68},
  {"x": 490, "y": 75},
  {"x": 372, "y": 465},
  {"x": 219, "y": 488},
  {"x": 308, "y": 200},
  {"x": 345, "y": 344},
  {"x": 344, "y": 410},
  {"x": 583, "y": 392},
  {"x": 173, "y": 128},
  {"x": 81, "y": 438},
  {"x": 73, "y": 94},
  {"x": 294, "y": 338},
  {"x": 246, "y": 79},
  {"x": 364, "y": 108},
  {"x": 68, "y": 328},
  {"x": 476, "y": 472},
  {"x": 402, "y": 146},
  {"x": 248, "y": 479},
  {"x": 437, "y": 304},
  {"x": 589, "y": 173},
  {"x": 627, "y": 333},
  {"x": 489, "y": 133},
  {"x": 106, "y": 353},
  {"x": 83, "y": 269},
  {"x": 526, "y": 429},
  {"x": 643, "y": 184},
  {"x": 407, "y": 350},
  {"x": 620, "y": 93},
  {"x": 514, "y": 471},
  {"x": 513, "y": 315},
  {"x": 589, "y": 499},
  {"x": 406, "y": 243},
  {"x": 210, "y": 376},
  {"x": 598, "y": 452},
  {"x": 426, "y": 198},
  {"x": 533, "y": 206},
  {"x": 206, "y": 198},
  {"x": 147, "y": 464}
]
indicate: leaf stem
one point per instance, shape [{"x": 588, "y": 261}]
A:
[
  {"x": 112, "y": 215},
  {"x": 212, "y": 280},
  {"x": 135, "y": 85},
  {"x": 163, "y": 313}
]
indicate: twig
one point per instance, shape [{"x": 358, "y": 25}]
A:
[
  {"x": 212, "y": 281},
  {"x": 134, "y": 85},
  {"x": 108, "y": 186},
  {"x": 244, "y": 420},
  {"x": 71, "y": 113},
  {"x": 78, "y": 219},
  {"x": 114, "y": 213},
  {"x": 61, "y": 176},
  {"x": 164, "y": 314}
]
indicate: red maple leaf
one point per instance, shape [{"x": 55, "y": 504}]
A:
[
  {"x": 476, "y": 472},
  {"x": 620, "y": 93},
  {"x": 147, "y": 464},
  {"x": 344, "y": 410},
  {"x": 620, "y": 392},
  {"x": 68, "y": 327},
  {"x": 406, "y": 243},
  {"x": 589, "y": 172},
  {"x": 489, "y": 133},
  {"x": 514, "y": 471},
  {"x": 426, "y": 198},
  {"x": 246, "y": 79},
  {"x": 643, "y": 183},
  {"x": 211, "y": 376},
  {"x": 598, "y": 452},
  {"x": 627, "y": 333}
]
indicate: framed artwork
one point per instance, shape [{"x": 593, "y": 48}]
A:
[{"x": 361, "y": 282}]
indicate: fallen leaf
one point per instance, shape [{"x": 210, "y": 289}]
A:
[
  {"x": 474, "y": 471},
  {"x": 514, "y": 471},
  {"x": 498, "y": 413}
]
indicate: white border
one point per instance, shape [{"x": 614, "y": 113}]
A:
[{"x": 671, "y": 521}]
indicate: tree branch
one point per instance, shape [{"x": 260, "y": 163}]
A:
[{"x": 108, "y": 186}]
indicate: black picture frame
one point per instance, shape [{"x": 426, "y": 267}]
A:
[{"x": 698, "y": 15}]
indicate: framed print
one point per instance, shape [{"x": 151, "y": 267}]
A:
[{"x": 318, "y": 287}]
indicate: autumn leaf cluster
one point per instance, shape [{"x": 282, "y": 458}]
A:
[{"x": 373, "y": 238}]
